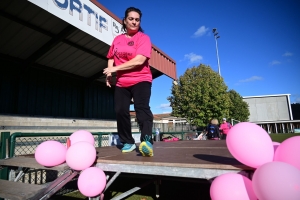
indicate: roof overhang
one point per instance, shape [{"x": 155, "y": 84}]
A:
[
  {"x": 69, "y": 39},
  {"x": 265, "y": 96}
]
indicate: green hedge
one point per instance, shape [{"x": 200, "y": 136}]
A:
[{"x": 282, "y": 136}]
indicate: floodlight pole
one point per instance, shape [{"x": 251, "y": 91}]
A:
[{"x": 215, "y": 32}]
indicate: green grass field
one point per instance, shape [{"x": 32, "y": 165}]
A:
[
  {"x": 282, "y": 136},
  {"x": 169, "y": 189}
]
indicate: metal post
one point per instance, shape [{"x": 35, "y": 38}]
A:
[
  {"x": 216, "y": 38},
  {"x": 218, "y": 56},
  {"x": 4, "y": 136}
]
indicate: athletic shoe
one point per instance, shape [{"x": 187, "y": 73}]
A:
[
  {"x": 146, "y": 148},
  {"x": 128, "y": 148}
]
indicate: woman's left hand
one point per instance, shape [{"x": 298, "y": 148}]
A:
[{"x": 109, "y": 70}]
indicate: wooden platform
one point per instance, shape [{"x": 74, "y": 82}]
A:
[
  {"x": 192, "y": 153},
  {"x": 190, "y": 159}
]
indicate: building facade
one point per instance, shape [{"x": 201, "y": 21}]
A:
[{"x": 272, "y": 112}]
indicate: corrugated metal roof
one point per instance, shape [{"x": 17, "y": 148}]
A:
[{"x": 34, "y": 37}]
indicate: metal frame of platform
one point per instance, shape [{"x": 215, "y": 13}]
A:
[
  {"x": 193, "y": 160},
  {"x": 160, "y": 171},
  {"x": 183, "y": 172}
]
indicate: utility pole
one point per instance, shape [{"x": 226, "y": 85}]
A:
[{"x": 215, "y": 32}]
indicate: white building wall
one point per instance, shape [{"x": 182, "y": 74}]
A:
[{"x": 269, "y": 108}]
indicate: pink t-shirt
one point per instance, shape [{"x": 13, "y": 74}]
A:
[
  {"x": 124, "y": 49},
  {"x": 225, "y": 127}
]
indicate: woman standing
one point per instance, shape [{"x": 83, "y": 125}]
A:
[
  {"x": 225, "y": 127},
  {"x": 128, "y": 56}
]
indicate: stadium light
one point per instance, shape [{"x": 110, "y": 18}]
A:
[{"x": 215, "y": 32}]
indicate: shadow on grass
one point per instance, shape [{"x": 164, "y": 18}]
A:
[{"x": 168, "y": 189}]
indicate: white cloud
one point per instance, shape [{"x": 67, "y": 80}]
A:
[
  {"x": 201, "y": 31},
  {"x": 288, "y": 54},
  {"x": 192, "y": 57},
  {"x": 164, "y": 105},
  {"x": 165, "y": 108},
  {"x": 253, "y": 78},
  {"x": 295, "y": 98},
  {"x": 275, "y": 62}
]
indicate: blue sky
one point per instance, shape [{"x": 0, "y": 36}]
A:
[{"x": 259, "y": 44}]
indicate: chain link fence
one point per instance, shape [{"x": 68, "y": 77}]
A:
[
  {"x": 174, "y": 127},
  {"x": 24, "y": 144}
]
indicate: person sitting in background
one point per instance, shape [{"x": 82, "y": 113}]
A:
[
  {"x": 201, "y": 136},
  {"x": 213, "y": 132},
  {"x": 225, "y": 127}
]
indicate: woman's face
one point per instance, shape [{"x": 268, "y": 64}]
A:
[{"x": 132, "y": 22}]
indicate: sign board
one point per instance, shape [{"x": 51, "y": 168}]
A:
[{"x": 84, "y": 15}]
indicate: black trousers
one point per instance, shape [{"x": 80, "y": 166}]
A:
[
  {"x": 224, "y": 136},
  {"x": 140, "y": 93}
]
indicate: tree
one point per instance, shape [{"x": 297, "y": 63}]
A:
[
  {"x": 200, "y": 95},
  {"x": 239, "y": 109}
]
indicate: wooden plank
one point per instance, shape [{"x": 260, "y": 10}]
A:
[
  {"x": 17, "y": 190},
  {"x": 192, "y": 153},
  {"x": 30, "y": 162}
]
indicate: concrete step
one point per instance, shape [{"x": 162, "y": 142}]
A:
[
  {"x": 39, "y": 121},
  {"x": 42, "y": 124}
]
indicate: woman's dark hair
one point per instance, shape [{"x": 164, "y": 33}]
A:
[{"x": 127, "y": 11}]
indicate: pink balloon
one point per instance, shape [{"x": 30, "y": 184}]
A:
[
  {"x": 276, "y": 181},
  {"x": 92, "y": 182},
  {"x": 82, "y": 135},
  {"x": 50, "y": 153},
  {"x": 81, "y": 155},
  {"x": 232, "y": 187},
  {"x": 250, "y": 144},
  {"x": 288, "y": 151}
]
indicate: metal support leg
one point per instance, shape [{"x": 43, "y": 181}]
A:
[
  {"x": 133, "y": 190},
  {"x": 112, "y": 180},
  {"x": 56, "y": 185},
  {"x": 101, "y": 196},
  {"x": 157, "y": 183},
  {"x": 21, "y": 173}
]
